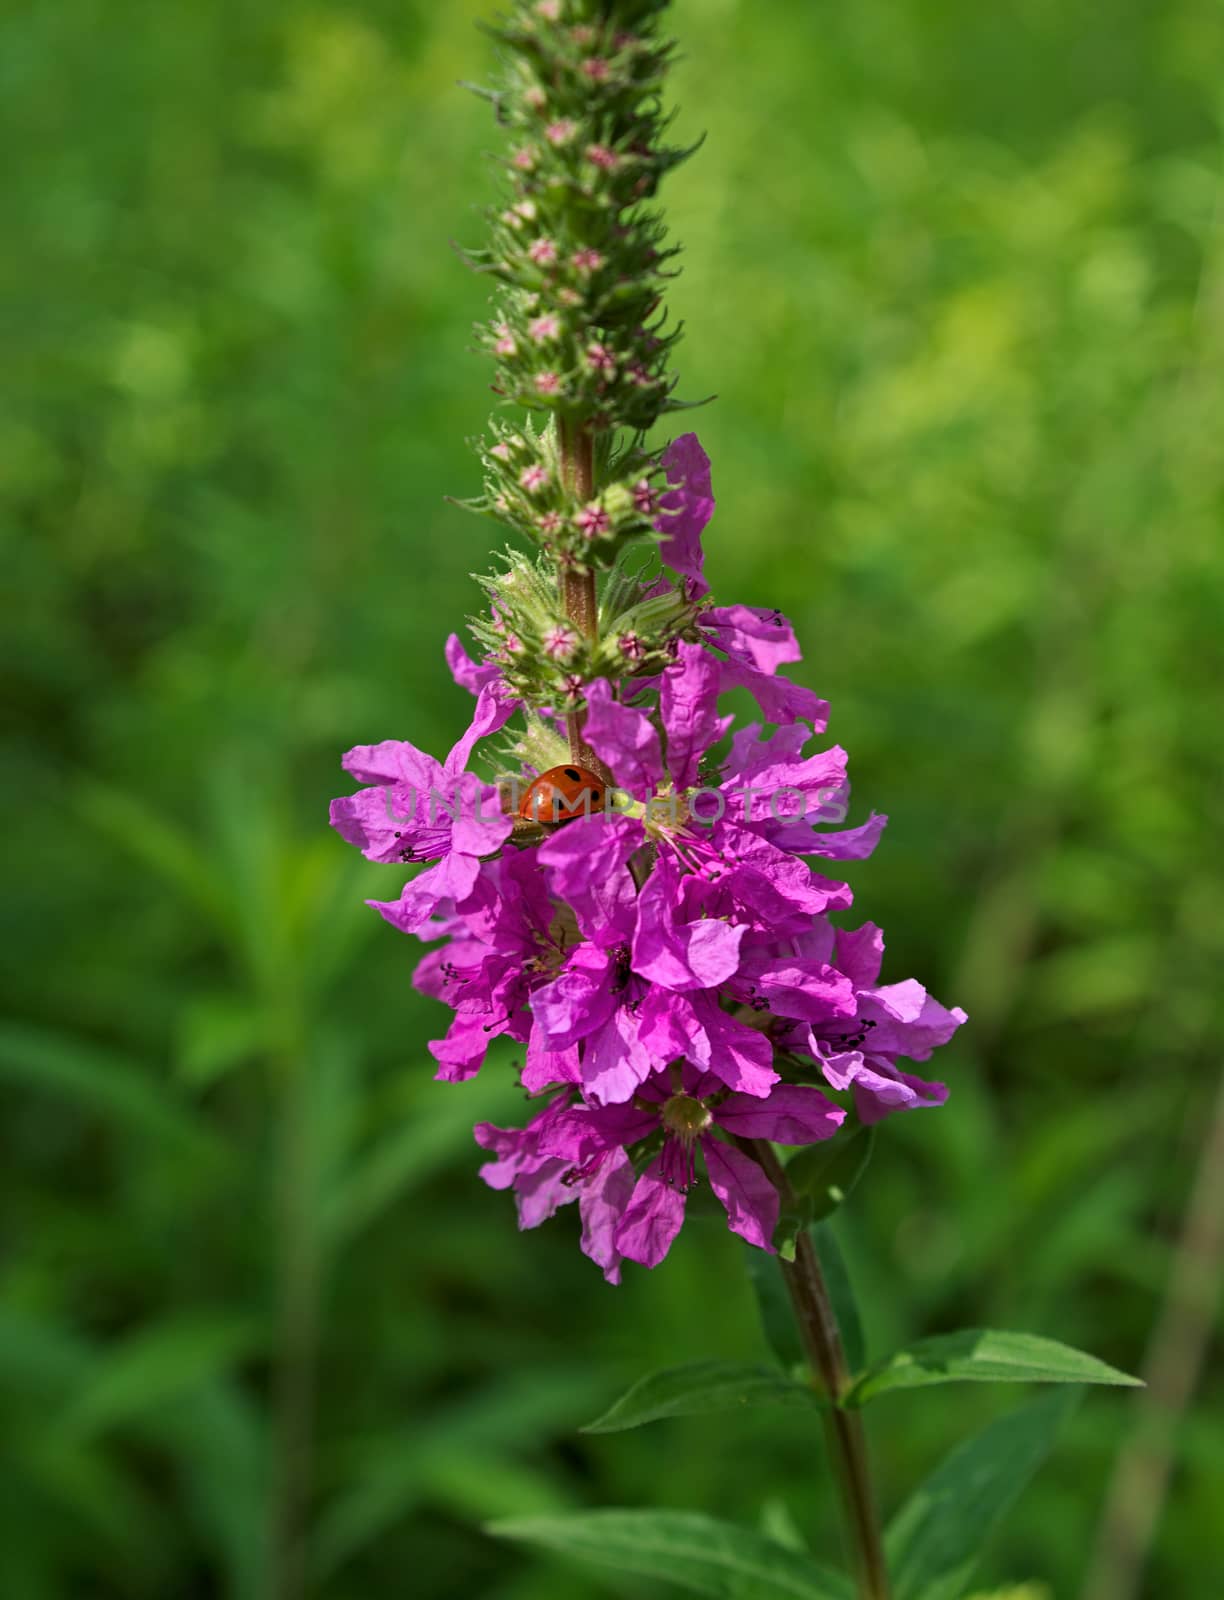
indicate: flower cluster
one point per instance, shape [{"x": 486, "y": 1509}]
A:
[
  {"x": 670, "y": 968},
  {"x": 578, "y": 331},
  {"x": 663, "y": 953}
]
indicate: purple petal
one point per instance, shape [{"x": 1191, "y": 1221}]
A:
[
  {"x": 365, "y": 819},
  {"x": 808, "y": 991},
  {"x": 578, "y": 1000},
  {"x": 393, "y": 762},
  {"x": 763, "y": 638},
  {"x": 780, "y": 699},
  {"x": 651, "y": 1220},
  {"x": 545, "y": 1067},
  {"x": 582, "y": 1132},
  {"x": 468, "y": 674},
  {"x": 602, "y": 1203},
  {"x": 585, "y": 863},
  {"x": 623, "y": 738},
  {"x": 681, "y": 955},
  {"x": 741, "y": 1056},
  {"x": 480, "y": 826},
  {"x": 792, "y": 1114},
  {"x": 688, "y": 703},
  {"x": 848, "y": 844},
  {"x": 881, "y": 1088},
  {"x": 688, "y": 508},
  {"x": 453, "y": 878},
  {"x": 461, "y": 1054},
  {"x": 748, "y": 1197},
  {"x": 909, "y": 1022},
  {"x": 615, "y": 1059},
  {"x": 860, "y": 954},
  {"x": 493, "y": 710}
]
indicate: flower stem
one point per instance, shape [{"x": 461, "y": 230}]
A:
[
  {"x": 844, "y": 1431},
  {"x": 578, "y": 599}
]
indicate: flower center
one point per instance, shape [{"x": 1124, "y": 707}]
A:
[
  {"x": 665, "y": 814},
  {"x": 686, "y": 1117}
]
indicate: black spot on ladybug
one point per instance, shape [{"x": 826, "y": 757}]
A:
[{"x": 573, "y": 774}]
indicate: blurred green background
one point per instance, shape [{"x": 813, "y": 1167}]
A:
[{"x": 957, "y": 275}]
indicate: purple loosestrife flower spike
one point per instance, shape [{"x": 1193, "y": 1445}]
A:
[{"x": 667, "y": 967}]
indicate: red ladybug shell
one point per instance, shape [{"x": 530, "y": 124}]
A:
[{"x": 561, "y": 794}]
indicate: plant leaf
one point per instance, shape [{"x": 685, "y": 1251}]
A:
[
  {"x": 841, "y": 1293},
  {"x": 983, "y": 1355},
  {"x": 934, "y": 1541},
  {"x": 154, "y": 1366},
  {"x": 826, "y": 1173},
  {"x": 700, "y": 1386},
  {"x": 100, "y": 1080},
  {"x": 774, "y": 1305},
  {"x": 695, "y": 1552}
]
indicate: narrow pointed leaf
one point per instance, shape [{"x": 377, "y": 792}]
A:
[
  {"x": 155, "y": 1367},
  {"x": 984, "y": 1355},
  {"x": 696, "y": 1553},
  {"x": 774, "y": 1305},
  {"x": 700, "y": 1386},
  {"x": 827, "y": 1173},
  {"x": 113, "y": 1086},
  {"x": 934, "y": 1541},
  {"x": 841, "y": 1293}
]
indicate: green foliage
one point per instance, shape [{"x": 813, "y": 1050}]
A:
[
  {"x": 700, "y": 1386},
  {"x": 696, "y": 1553},
  {"x": 936, "y": 1539},
  {"x": 955, "y": 273},
  {"x": 983, "y": 1355},
  {"x": 827, "y": 1173}
]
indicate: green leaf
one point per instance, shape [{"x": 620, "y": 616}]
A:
[
  {"x": 774, "y": 1305},
  {"x": 826, "y": 1173},
  {"x": 983, "y": 1355},
  {"x": 841, "y": 1293},
  {"x": 103, "y": 1081},
  {"x": 700, "y": 1386},
  {"x": 156, "y": 1365},
  {"x": 934, "y": 1541},
  {"x": 694, "y": 1552}
]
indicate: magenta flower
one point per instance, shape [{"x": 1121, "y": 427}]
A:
[
  {"x": 688, "y": 1110},
  {"x": 542, "y": 251},
  {"x": 738, "y": 849},
  {"x": 544, "y": 328},
  {"x": 890, "y": 1021},
  {"x": 593, "y": 521},
  {"x": 419, "y": 809},
  {"x": 538, "y": 1181},
  {"x": 560, "y": 642},
  {"x": 468, "y": 674},
  {"x": 505, "y": 939},
  {"x": 533, "y": 478},
  {"x": 687, "y": 507},
  {"x": 626, "y": 1025}
]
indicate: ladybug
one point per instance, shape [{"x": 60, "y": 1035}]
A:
[{"x": 561, "y": 794}]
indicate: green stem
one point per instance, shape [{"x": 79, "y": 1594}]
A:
[{"x": 844, "y": 1431}]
